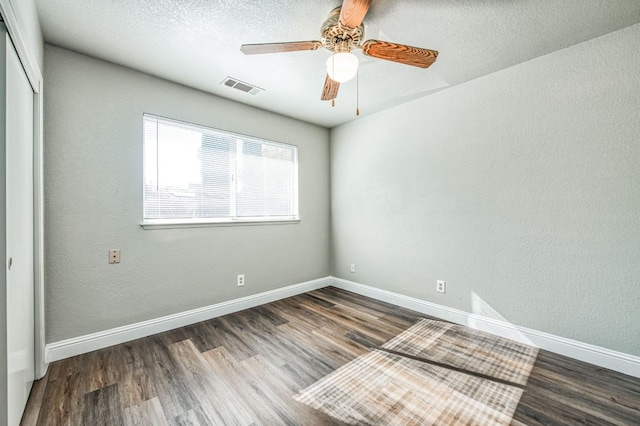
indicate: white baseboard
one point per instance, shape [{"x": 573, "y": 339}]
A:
[
  {"x": 617, "y": 361},
  {"x": 91, "y": 342},
  {"x": 613, "y": 360}
]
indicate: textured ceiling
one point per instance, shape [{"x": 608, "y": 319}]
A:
[{"x": 197, "y": 43}]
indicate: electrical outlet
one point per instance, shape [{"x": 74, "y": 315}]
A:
[
  {"x": 353, "y": 268},
  {"x": 441, "y": 286},
  {"x": 240, "y": 280},
  {"x": 114, "y": 256}
]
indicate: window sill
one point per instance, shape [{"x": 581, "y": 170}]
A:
[{"x": 203, "y": 223}]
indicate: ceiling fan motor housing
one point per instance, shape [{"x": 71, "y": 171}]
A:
[{"x": 337, "y": 38}]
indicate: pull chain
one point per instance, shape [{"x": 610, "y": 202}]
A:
[
  {"x": 358, "y": 92},
  {"x": 333, "y": 66}
]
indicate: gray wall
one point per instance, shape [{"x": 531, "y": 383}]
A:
[
  {"x": 521, "y": 189},
  {"x": 93, "y": 187}
]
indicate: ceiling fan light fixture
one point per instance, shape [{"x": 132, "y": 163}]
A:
[{"x": 342, "y": 66}]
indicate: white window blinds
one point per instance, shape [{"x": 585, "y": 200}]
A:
[{"x": 198, "y": 174}]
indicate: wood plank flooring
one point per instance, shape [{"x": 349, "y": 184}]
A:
[{"x": 245, "y": 368}]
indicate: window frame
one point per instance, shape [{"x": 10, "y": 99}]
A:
[{"x": 198, "y": 222}]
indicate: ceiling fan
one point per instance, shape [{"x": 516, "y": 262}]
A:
[{"x": 341, "y": 33}]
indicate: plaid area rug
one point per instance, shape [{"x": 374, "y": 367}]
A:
[
  {"x": 380, "y": 388},
  {"x": 468, "y": 349}
]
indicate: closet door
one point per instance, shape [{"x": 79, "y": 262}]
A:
[{"x": 19, "y": 216}]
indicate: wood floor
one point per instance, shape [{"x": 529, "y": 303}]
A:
[{"x": 245, "y": 368}]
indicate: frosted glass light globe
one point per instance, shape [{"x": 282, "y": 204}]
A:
[{"x": 342, "y": 66}]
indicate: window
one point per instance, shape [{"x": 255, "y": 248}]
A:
[{"x": 195, "y": 174}]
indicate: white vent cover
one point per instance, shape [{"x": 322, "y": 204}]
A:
[{"x": 241, "y": 85}]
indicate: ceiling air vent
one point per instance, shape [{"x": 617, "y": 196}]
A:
[{"x": 241, "y": 85}]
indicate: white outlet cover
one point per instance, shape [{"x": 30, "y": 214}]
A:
[{"x": 441, "y": 286}]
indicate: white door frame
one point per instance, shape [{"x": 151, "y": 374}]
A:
[{"x": 34, "y": 74}]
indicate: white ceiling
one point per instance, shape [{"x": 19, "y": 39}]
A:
[{"x": 197, "y": 43}]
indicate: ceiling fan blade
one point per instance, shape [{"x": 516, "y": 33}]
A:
[
  {"x": 330, "y": 89},
  {"x": 401, "y": 53},
  {"x": 292, "y": 46},
  {"x": 353, "y": 12}
]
